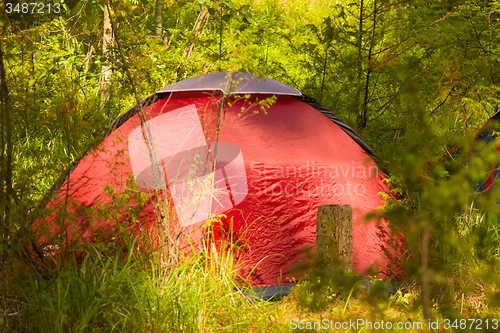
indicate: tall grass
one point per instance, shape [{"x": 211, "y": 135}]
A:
[{"x": 105, "y": 293}]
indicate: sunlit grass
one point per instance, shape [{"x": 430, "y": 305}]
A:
[{"x": 103, "y": 293}]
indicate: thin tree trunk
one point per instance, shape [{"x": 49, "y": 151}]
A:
[
  {"x": 107, "y": 43},
  {"x": 25, "y": 88},
  {"x": 198, "y": 27},
  {"x": 357, "y": 98},
  {"x": 162, "y": 210},
  {"x": 3, "y": 222},
  {"x": 158, "y": 18},
  {"x": 6, "y": 190},
  {"x": 220, "y": 40},
  {"x": 327, "y": 47},
  {"x": 369, "y": 67},
  {"x": 425, "y": 279},
  {"x": 167, "y": 41},
  {"x": 86, "y": 62}
]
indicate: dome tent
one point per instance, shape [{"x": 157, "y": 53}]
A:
[
  {"x": 210, "y": 148},
  {"x": 488, "y": 135}
]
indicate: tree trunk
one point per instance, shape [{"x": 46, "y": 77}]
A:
[
  {"x": 198, "y": 27},
  {"x": 158, "y": 18},
  {"x": 325, "y": 63},
  {"x": 86, "y": 61},
  {"x": 364, "y": 114},
  {"x": 220, "y": 39},
  {"x": 360, "y": 121},
  {"x": 107, "y": 43},
  {"x": 334, "y": 237},
  {"x": 168, "y": 237},
  {"x": 425, "y": 278},
  {"x": 6, "y": 190}
]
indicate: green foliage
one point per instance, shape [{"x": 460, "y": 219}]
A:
[
  {"x": 107, "y": 294},
  {"x": 417, "y": 79}
]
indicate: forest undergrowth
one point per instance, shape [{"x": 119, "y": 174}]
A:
[{"x": 416, "y": 79}]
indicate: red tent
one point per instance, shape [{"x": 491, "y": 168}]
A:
[{"x": 207, "y": 147}]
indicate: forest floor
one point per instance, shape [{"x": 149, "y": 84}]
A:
[
  {"x": 400, "y": 312},
  {"x": 103, "y": 295}
]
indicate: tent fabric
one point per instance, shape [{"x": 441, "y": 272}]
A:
[
  {"x": 67, "y": 172},
  {"x": 488, "y": 134},
  {"x": 342, "y": 124},
  {"x": 267, "y": 173},
  {"x": 231, "y": 83},
  {"x": 248, "y": 84}
]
